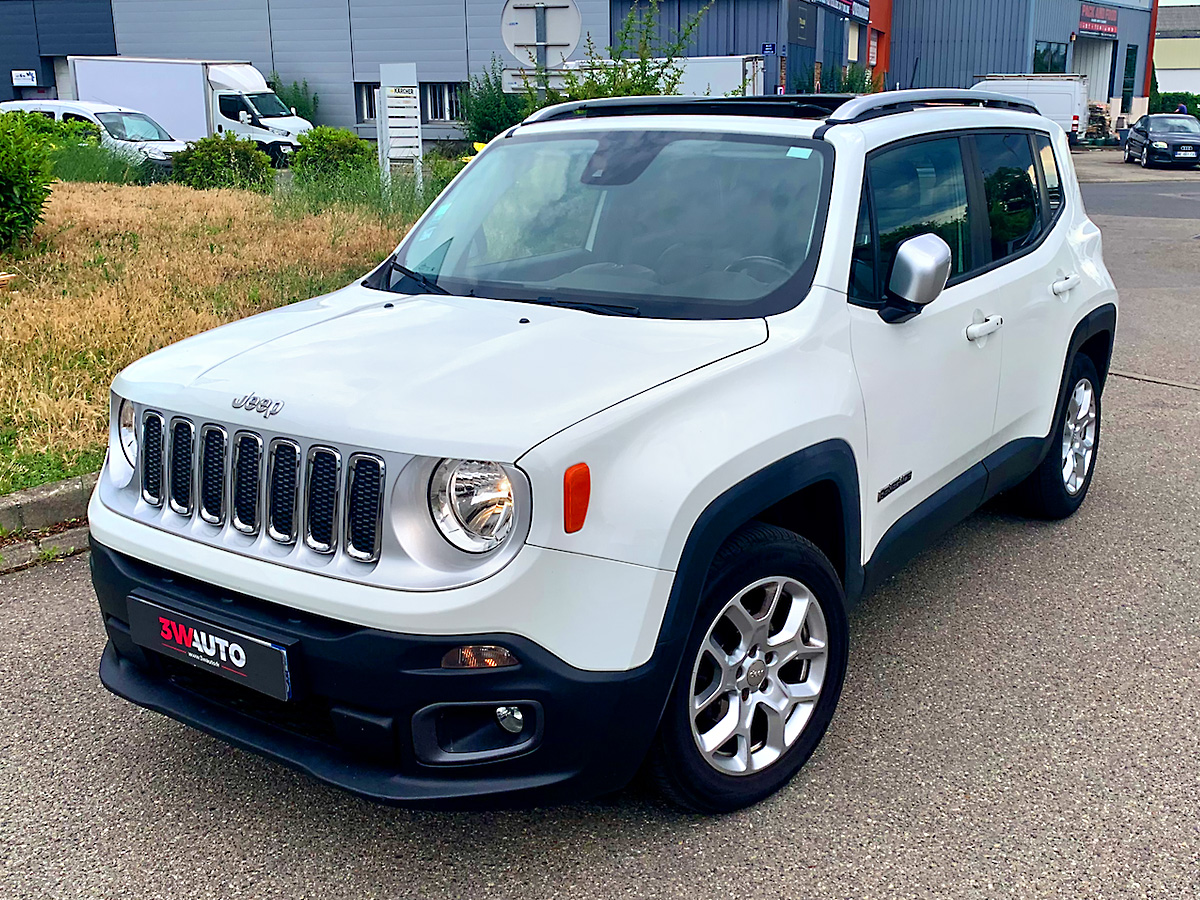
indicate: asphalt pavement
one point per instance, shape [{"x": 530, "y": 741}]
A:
[{"x": 1021, "y": 719}]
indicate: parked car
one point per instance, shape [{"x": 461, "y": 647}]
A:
[
  {"x": 194, "y": 98},
  {"x": 586, "y": 475},
  {"x": 1167, "y": 139},
  {"x": 1062, "y": 98},
  {"x": 122, "y": 129}
]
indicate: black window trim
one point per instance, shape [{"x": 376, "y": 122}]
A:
[{"x": 980, "y": 226}]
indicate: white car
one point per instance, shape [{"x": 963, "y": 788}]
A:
[
  {"x": 122, "y": 129},
  {"x": 585, "y": 476}
]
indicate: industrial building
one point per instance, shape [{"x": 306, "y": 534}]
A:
[
  {"x": 1177, "y": 48},
  {"x": 337, "y": 46},
  {"x": 939, "y": 44}
]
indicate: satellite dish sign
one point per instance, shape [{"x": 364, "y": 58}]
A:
[{"x": 541, "y": 32}]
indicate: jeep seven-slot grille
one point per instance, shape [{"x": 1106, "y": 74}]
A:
[
  {"x": 212, "y": 474},
  {"x": 181, "y": 476},
  {"x": 247, "y": 460},
  {"x": 282, "y": 488},
  {"x": 283, "y": 497},
  {"x": 321, "y": 499},
  {"x": 152, "y": 458}
]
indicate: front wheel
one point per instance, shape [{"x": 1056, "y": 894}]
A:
[
  {"x": 1058, "y": 485},
  {"x": 1145, "y": 158},
  {"x": 761, "y": 674}
]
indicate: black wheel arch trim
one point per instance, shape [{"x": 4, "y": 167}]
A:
[{"x": 831, "y": 460}]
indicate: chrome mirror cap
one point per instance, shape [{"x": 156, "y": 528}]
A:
[{"x": 921, "y": 269}]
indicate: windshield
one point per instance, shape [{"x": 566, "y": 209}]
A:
[
  {"x": 1177, "y": 124},
  {"x": 268, "y": 106},
  {"x": 667, "y": 224},
  {"x": 132, "y": 126}
]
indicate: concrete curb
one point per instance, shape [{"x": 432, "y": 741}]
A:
[
  {"x": 23, "y": 554},
  {"x": 39, "y": 508}
]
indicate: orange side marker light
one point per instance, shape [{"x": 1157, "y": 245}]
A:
[{"x": 577, "y": 491}]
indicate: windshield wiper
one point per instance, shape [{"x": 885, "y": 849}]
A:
[
  {"x": 424, "y": 280},
  {"x": 609, "y": 309}
]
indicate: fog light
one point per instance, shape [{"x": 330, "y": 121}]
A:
[
  {"x": 510, "y": 719},
  {"x": 475, "y": 656}
]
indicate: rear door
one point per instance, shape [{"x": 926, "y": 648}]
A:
[
  {"x": 1032, "y": 271},
  {"x": 929, "y": 391}
]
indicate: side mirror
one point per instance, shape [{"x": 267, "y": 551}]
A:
[
  {"x": 919, "y": 276},
  {"x": 244, "y": 117},
  {"x": 293, "y": 110}
]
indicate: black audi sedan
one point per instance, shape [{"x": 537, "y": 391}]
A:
[{"x": 1167, "y": 139}]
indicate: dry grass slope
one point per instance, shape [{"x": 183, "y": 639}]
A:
[{"x": 126, "y": 270}]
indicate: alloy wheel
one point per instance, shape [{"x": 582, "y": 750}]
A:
[
  {"x": 758, "y": 675},
  {"x": 1079, "y": 436}
]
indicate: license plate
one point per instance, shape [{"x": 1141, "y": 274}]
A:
[
  {"x": 1191, "y": 154},
  {"x": 253, "y": 662}
]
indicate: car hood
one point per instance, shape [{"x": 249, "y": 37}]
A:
[
  {"x": 429, "y": 375},
  {"x": 293, "y": 125}
]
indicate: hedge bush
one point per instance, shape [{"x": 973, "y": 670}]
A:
[
  {"x": 55, "y": 134},
  {"x": 224, "y": 161},
  {"x": 24, "y": 180},
  {"x": 325, "y": 151},
  {"x": 1167, "y": 103}
]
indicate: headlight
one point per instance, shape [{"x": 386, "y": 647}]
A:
[
  {"x": 127, "y": 431},
  {"x": 279, "y": 131},
  {"x": 155, "y": 153},
  {"x": 1159, "y": 145},
  {"x": 471, "y": 503}
]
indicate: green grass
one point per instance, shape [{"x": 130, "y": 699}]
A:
[
  {"x": 92, "y": 163},
  {"x": 397, "y": 199},
  {"x": 25, "y": 470}
]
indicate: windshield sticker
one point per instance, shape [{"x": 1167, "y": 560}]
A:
[{"x": 799, "y": 152}]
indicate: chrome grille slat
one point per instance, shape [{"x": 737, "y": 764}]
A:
[
  {"x": 366, "y": 474},
  {"x": 283, "y": 490},
  {"x": 180, "y": 472},
  {"x": 321, "y": 483},
  {"x": 213, "y": 444},
  {"x": 153, "y": 428},
  {"x": 247, "y": 481}
]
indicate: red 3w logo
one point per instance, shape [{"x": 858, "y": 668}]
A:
[{"x": 208, "y": 644}]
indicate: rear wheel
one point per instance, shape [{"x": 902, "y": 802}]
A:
[
  {"x": 1057, "y": 487},
  {"x": 761, "y": 675}
]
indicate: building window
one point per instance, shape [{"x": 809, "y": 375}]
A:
[
  {"x": 1131, "y": 55},
  {"x": 364, "y": 100},
  {"x": 852, "y": 43},
  {"x": 1049, "y": 57},
  {"x": 440, "y": 102}
]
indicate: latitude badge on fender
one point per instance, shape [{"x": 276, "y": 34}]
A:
[{"x": 254, "y": 403}]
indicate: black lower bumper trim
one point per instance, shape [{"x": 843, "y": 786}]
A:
[{"x": 357, "y": 693}]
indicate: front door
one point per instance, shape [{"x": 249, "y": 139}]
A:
[{"x": 929, "y": 390}]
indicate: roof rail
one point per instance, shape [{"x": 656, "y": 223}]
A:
[
  {"x": 871, "y": 106},
  {"x": 773, "y": 106}
]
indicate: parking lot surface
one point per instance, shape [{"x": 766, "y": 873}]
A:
[{"x": 1021, "y": 719}]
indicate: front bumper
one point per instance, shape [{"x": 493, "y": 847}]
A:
[
  {"x": 373, "y": 712},
  {"x": 1171, "y": 156}
]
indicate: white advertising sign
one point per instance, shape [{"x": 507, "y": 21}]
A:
[
  {"x": 399, "y": 114},
  {"x": 24, "y": 78}
]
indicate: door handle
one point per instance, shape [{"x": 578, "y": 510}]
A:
[
  {"x": 984, "y": 328},
  {"x": 1061, "y": 287}
]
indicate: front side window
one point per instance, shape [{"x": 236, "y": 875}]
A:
[
  {"x": 231, "y": 106},
  {"x": 919, "y": 189},
  {"x": 862, "y": 257},
  {"x": 668, "y": 224},
  {"x": 1010, "y": 190}
]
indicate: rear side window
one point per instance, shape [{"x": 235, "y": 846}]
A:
[
  {"x": 1010, "y": 191},
  {"x": 917, "y": 189},
  {"x": 1054, "y": 195},
  {"x": 74, "y": 117}
]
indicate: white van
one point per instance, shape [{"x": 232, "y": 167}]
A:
[
  {"x": 120, "y": 128},
  {"x": 1061, "y": 98},
  {"x": 194, "y": 98}
]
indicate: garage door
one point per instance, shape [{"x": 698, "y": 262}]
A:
[{"x": 1093, "y": 58}]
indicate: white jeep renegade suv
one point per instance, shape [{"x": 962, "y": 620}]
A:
[{"x": 585, "y": 476}]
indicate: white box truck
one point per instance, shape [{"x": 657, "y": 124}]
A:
[
  {"x": 193, "y": 98},
  {"x": 1062, "y": 98}
]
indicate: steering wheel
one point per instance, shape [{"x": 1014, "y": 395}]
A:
[{"x": 768, "y": 264}]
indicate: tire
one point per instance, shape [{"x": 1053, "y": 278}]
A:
[
  {"x": 787, "y": 594},
  {"x": 1145, "y": 159},
  {"x": 1050, "y": 492},
  {"x": 1127, "y": 158}
]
